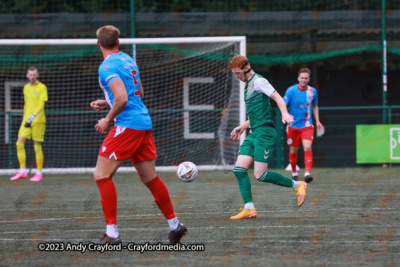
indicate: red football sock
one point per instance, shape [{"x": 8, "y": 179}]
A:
[
  {"x": 293, "y": 161},
  {"x": 308, "y": 160},
  {"x": 108, "y": 199},
  {"x": 161, "y": 197}
]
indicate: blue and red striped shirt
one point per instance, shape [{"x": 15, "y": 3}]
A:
[
  {"x": 120, "y": 66},
  {"x": 300, "y": 104}
]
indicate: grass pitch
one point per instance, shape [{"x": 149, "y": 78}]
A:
[{"x": 350, "y": 217}]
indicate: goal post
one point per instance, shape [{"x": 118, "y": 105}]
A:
[{"x": 192, "y": 96}]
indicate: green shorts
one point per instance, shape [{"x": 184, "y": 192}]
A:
[{"x": 259, "y": 144}]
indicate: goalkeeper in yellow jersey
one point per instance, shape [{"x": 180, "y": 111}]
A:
[{"x": 33, "y": 124}]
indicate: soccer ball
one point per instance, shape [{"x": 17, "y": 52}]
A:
[{"x": 187, "y": 171}]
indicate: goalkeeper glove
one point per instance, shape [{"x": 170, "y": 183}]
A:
[{"x": 29, "y": 121}]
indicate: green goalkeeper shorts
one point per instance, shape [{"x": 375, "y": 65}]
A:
[{"x": 259, "y": 144}]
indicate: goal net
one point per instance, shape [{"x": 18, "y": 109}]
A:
[{"x": 192, "y": 96}]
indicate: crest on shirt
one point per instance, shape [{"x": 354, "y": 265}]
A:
[
  {"x": 106, "y": 67},
  {"x": 35, "y": 92}
]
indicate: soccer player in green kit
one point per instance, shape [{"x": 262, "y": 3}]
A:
[{"x": 259, "y": 144}]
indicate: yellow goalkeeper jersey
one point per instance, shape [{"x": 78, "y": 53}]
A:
[{"x": 33, "y": 95}]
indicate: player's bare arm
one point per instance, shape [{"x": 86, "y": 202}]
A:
[
  {"x": 141, "y": 89},
  {"x": 286, "y": 117},
  {"x": 237, "y": 132},
  {"x": 99, "y": 104},
  {"x": 120, "y": 99},
  {"x": 316, "y": 115}
]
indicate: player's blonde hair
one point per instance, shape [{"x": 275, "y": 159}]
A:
[
  {"x": 238, "y": 62},
  {"x": 305, "y": 70},
  {"x": 108, "y": 36}
]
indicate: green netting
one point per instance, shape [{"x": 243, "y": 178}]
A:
[
  {"x": 303, "y": 58},
  {"x": 50, "y": 54},
  {"x": 19, "y": 56},
  {"x": 88, "y": 6},
  {"x": 278, "y": 32},
  {"x": 292, "y": 32},
  {"x": 189, "y": 122},
  {"x": 327, "y": 36},
  {"x": 57, "y": 6}
]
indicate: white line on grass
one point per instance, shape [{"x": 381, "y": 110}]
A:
[
  {"x": 13, "y": 220},
  {"x": 192, "y": 228}
]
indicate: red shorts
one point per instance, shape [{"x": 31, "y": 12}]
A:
[
  {"x": 123, "y": 143},
  {"x": 295, "y": 135}
]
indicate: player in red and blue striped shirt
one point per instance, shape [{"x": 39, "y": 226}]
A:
[
  {"x": 130, "y": 137},
  {"x": 301, "y": 100}
]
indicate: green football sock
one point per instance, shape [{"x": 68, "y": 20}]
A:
[
  {"x": 276, "y": 178},
  {"x": 244, "y": 184}
]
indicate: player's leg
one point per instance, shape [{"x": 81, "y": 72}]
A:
[
  {"x": 144, "y": 161},
  {"x": 23, "y": 134},
  {"x": 263, "y": 175},
  {"x": 38, "y": 138},
  {"x": 264, "y": 148},
  {"x": 293, "y": 140},
  {"x": 21, "y": 154},
  {"x": 115, "y": 149},
  {"x": 308, "y": 160},
  {"x": 103, "y": 173},
  {"x": 22, "y": 173},
  {"x": 307, "y": 137},
  {"x": 148, "y": 175},
  {"x": 243, "y": 162},
  {"x": 293, "y": 161}
]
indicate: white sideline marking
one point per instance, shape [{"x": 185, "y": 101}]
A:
[
  {"x": 12, "y": 219},
  {"x": 69, "y": 171},
  {"x": 221, "y": 212},
  {"x": 190, "y": 228}
]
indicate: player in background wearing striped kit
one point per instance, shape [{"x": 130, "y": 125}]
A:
[
  {"x": 130, "y": 137},
  {"x": 301, "y": 98}
]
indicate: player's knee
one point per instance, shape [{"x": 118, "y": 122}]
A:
[
  {"x": 20, "y": 144},
  {"x": 307, "y": 148},
  {"x": 97, "y": 176},
  {"x": 100, "y": 174},
  {"x": 37, "y": 147},
  {"x": 239, "y": 171},
  {"x": 148, "y": 179},
  {"x": 258, "y": 174}
]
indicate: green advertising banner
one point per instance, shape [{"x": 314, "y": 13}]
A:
[{"x": 378, "y": 143}]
